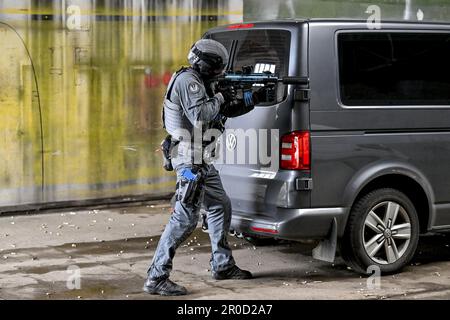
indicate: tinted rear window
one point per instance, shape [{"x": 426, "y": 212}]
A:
[
  {"x": 264, "y": 50},
  {"x": 385, "y": 68}
]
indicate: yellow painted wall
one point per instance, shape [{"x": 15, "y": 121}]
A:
[{"x": 101, "y": 82}]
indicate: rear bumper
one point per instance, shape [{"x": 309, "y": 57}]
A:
[{"x": 291, "y": 224}]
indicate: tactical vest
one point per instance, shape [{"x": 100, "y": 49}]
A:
[
  {"x": 173, "y": 116},
  {"x": 185, "y": 152}
]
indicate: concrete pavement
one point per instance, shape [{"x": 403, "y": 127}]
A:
[{"x": 41, "y": 257}]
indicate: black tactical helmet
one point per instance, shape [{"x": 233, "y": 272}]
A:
[{"x": 208, "y": 56}]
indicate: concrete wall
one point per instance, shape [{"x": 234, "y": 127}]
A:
[{"x": 102, "y": 69}]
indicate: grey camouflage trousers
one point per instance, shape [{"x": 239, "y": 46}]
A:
[{"x": 184, "y": 220}]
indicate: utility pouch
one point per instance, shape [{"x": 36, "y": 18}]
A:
[
  {"x": 189, "y": 187},
  {"x": 166, "y": 148}
]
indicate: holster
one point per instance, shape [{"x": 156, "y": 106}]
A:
[
  {"x": 190, "y": 187},
  {"x": 166, "y": 147}
]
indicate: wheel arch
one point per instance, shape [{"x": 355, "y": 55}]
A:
[{"x": 400, "y": 176}]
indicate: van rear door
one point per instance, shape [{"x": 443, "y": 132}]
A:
[{"x": 248, "y": 160}]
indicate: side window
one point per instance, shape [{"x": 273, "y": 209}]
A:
[{"x": 394, "y": 69}]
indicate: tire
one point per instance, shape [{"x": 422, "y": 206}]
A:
[{"x": 362, "y": 244}]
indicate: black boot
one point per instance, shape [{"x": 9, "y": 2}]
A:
[
  {"x": 233, "y": 273},
  {"x": 164, "y": 287}
]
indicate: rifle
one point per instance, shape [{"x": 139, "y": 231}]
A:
[{"x": 247, "y": 81}]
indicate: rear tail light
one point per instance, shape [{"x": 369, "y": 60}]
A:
[{"x": 294, "y": 153}]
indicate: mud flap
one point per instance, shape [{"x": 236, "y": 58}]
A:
[{"x": 326, "y": 249}]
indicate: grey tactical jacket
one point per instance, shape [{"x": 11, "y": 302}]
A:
[{"x": 188, "y": 113}]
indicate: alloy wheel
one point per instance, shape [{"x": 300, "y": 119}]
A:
[{"x": 386, "y": 232}]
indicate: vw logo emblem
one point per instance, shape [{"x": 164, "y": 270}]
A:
[{"x": 231, "y": 142}]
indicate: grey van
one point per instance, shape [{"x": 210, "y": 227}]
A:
[{"x": 363, "y": 147}]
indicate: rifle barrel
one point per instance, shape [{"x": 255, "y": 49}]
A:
[{"x": 264, "y": 79}]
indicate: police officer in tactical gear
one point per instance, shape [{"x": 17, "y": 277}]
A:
[{"x": 191, "y": 104}]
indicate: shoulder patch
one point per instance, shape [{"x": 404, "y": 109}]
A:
[{"x": 194, "y": 87}]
